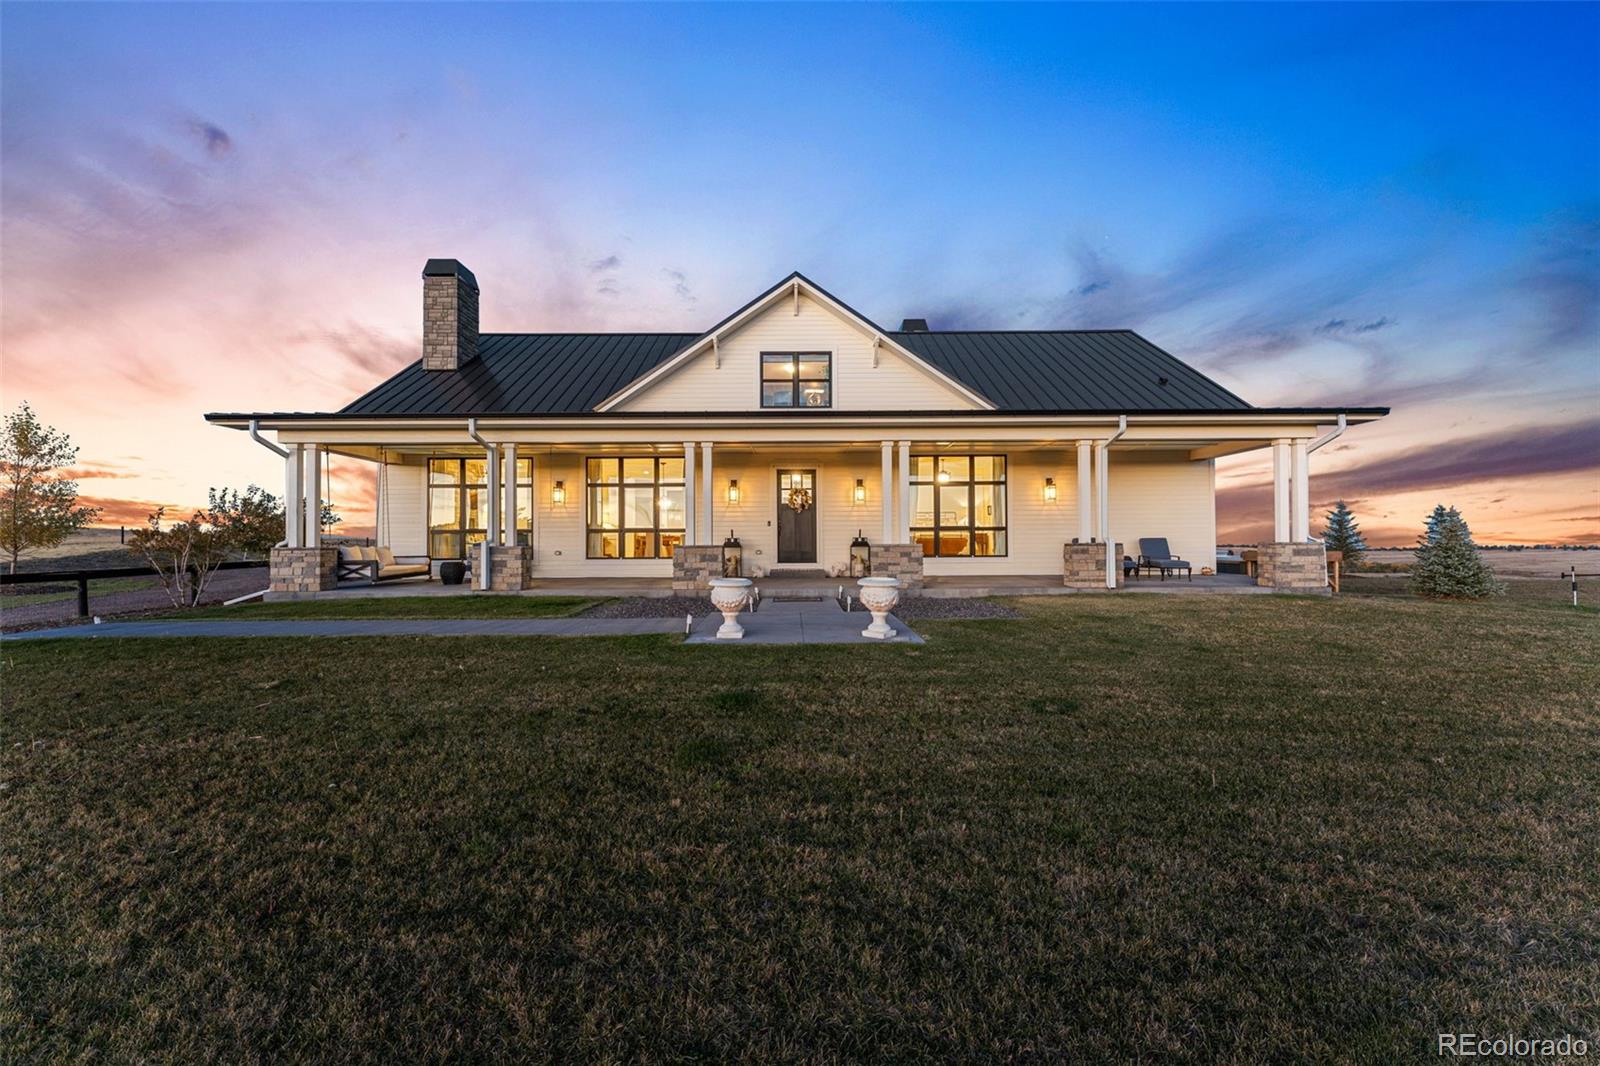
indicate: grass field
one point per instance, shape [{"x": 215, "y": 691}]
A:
[{"x": 1201, "y": 828}]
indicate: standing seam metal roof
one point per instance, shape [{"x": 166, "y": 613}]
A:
[{"x": 1018, "y": 371}]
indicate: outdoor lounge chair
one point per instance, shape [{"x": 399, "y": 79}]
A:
[
  {"x": 373, "y": 565},
  {"x": 1155, "y": 555}
]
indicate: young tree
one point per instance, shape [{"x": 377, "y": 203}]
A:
[
  {"x": 1448, "y": 566},
  {"x": 38, "y": 504},
  {"x": 1343, "y": 534},
  {"x": 252, "y": 521},
  {"x": 185, "y": 555}
]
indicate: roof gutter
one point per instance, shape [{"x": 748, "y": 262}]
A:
[
  {"x": 1112, "y": 562},
  {"x": 1328, "y": 436}
]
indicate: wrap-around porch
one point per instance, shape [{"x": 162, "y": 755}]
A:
[{"x": 985, "y": 516}]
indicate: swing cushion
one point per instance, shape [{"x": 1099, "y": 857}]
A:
[{"x": 385, "y": 557}]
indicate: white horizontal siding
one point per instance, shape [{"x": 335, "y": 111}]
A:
[
  {"x": 895, "y": 383},
  {"x": 402, "y": 518}
]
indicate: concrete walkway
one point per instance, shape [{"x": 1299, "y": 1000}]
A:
[
  {"x": 367, "y": 627},
  {"x": 819, "y": 622}
]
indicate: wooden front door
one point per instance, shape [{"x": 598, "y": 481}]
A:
[{"x": 797, "y": 528}]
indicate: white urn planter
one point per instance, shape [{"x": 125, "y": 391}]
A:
[
  {"x": 730, "y": 595},
  {"x": 879, "y": 595}
]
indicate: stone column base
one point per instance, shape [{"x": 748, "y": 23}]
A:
[
  {"x": 510, "y": 567},
  {"x": 1287, "y": 566},
  {"x": 903, "y": 561},
  {"x": 694, "y": 565},
  {"x": 1083, "y": 566},
  {"x": 298, "y": 570}
]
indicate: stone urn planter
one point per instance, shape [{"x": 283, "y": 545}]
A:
[
  {"x": 730, "y": 595},
  {"x": 879, "y": 595}
]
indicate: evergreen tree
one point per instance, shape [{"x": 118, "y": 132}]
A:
[
  {"x": 1342, "y": 533},
  {"x": 1447, "y": 563}
]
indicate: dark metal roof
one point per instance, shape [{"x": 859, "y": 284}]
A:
[
  {"x": 1069, "y": 370},
  {"x": 1041, "y": 370},
  {"x": 525, "y": 373}
]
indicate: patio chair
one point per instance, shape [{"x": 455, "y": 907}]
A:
[
  {"x": 1154, "y": 554},
  {"x": 373, "y": 565}
]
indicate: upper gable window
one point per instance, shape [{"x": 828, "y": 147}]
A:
[{"x": 796, "y": 379}]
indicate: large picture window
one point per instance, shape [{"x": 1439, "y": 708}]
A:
[
  {"x": 458, "y": 505},
  {"x": 958, "y": 504},
  {"x": 796, "y": 379},
  {"x": 635, "y": 507}
]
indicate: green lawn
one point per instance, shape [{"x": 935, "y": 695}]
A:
[
  {"x": 1140, "y": 827},
  {"x": 465, "y": 606}
]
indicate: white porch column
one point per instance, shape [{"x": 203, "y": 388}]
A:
[
  {"x": 1103, "y": 511},
  {"x": 887, "y": 490},
  {"x": 313, "y": 496},
  {"x": 1085, "y": 492},
  {"x": 294, "y": 504},
  {"x": 1280, "y": 491},
  {"x": 491, "y": 525},
  {"x": 1300, "y": 501},
  {"x": 903, "y": 534},
  {"x": 706, "y": 517},
  {"x": 691, "y": 496},
  {"x": 508, "y": 508}
]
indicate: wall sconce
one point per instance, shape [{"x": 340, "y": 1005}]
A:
[
  {"x": 558, "y": 495},
  {"x": 1049, "y": 490},
  {"x": 861, "y": 491},
  {"x": 733, "y": 494}
]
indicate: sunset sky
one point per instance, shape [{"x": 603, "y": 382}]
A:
[{"x": 227, "y": 207}]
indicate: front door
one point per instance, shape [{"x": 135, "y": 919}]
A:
[{"x": 797, "y": 516}]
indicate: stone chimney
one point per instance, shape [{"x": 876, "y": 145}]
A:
[{"x": 449, "y": 315}]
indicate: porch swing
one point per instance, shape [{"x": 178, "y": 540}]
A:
[{"x": 376, "y": 563}]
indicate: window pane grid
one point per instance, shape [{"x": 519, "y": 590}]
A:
[
  {"x": 628, "y": 496},
  {"x": 458, "y": 504},
  {"x": 796, "y": 379},
  {"x": 959, "y": 504}
]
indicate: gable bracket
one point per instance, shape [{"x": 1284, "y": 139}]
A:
[
  {"x": 796, "y": 288},
  {"x": 716, "y": 351},
  {"x": 876, "y": 340}
]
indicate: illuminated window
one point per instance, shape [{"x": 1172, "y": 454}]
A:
[
  {"x": 958, "y": 504},
  {"x": 635, "y": 507},
  {"x": 796, "y": 379},
  {"x": 458, "y": 505}
]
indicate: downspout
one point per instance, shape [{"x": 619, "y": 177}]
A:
[
  {"x": 1112, "y": 562},
  {"x": 1327, "y": 437},
  {"x": 1313, "y": 446},
  {"x": 255, "y": 435},
  {"x": 483, "y": 570}
]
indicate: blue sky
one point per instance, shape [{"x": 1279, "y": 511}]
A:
[{"x": 1316, "y": 203}]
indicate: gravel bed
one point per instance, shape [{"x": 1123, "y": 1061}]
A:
[
  {"x": 918, "y": 607},
  {"x": 651, "y": 607}
]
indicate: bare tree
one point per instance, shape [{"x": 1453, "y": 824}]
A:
[
  {"x": 38, "y": 503},
  {"x": 186, "y": 554}
]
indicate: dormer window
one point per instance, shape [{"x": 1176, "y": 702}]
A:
[{"x": 796, "y": 379}]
